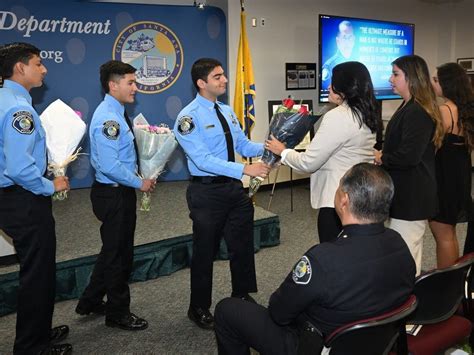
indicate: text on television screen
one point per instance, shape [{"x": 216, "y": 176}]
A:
[{"x": 374, "y": 43}]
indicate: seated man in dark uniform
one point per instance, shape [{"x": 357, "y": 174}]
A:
[{"x": 366, "y": 271}]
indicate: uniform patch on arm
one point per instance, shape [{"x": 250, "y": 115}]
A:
[
  {"x": 302, "y": 271},
  {"x": 234, "y": 119},
  {"x": 111, "y": 130},
  {"x": 185, "y": 125},
  {"x": 23, "y": 122}
]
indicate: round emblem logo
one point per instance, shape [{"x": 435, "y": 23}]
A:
[
  {"x": 25, "y": 124},
  {"x": 154, "y": 50}
]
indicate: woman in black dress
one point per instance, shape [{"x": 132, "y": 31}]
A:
[{"x": 453, "y": 159}]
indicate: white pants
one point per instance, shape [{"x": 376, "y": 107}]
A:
[{"x": 412, "y": 233}]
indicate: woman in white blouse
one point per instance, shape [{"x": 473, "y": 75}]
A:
[{"x": 345, "y": 137}]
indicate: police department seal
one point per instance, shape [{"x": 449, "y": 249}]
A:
[
  {"x": 302, "y": 271},
  {"x": 23, "y": 122},
  {"x": 111, "y": 130},
  {"x": 154, "y": 50}
]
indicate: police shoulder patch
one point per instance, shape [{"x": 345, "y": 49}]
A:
[
  {"x": 111, "y": 129},
  {"x": 235, "y": 122},
  {"x": 302, "y": 271},
  {"x": 186, "y": 125},
  {"x": 23, "y": 122}
]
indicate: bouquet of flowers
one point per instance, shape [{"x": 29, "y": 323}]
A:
[
  {"x": 64, "y": 131},
  {"x": 155, "y": 145},
  {"x": 289, "y": 126}
]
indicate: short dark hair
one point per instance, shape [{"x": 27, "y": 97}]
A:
[
  {"x": 12, "y": 53},
  {"x": 201, "y": 69},
  {"x": 114, "y": 70},
  {"x": 370, "y": 190}
]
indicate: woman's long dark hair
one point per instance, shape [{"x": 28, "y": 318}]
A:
[
  {"x": 351, "y": 81},
  {"x": 456, "y": 87}
]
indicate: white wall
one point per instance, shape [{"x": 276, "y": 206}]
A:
[
  {"x": 462, "y": 45},
  {"x": 290, "y": 34}
]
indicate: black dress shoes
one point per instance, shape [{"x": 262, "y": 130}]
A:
[
  {"x": 245, "y": 297},
  {"x": 84, "y": 309},
  {"x": 58, "y": 334},
  {"x": 202, "y": 317},
  {"x": 57, "y": 349},
  {"x": 127, "y": 322}
]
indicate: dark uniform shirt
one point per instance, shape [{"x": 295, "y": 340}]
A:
[{"x": 367, "y": 271}]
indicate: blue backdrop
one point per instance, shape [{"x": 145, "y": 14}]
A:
[{"x": 77, "y": 37}]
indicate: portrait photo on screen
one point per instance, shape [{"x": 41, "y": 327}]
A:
[{"x": 374, "y": 43}]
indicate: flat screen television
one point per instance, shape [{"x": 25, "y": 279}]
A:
[{"x": 372, "y": 42}]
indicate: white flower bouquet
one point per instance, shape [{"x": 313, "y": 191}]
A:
[
  {"x": 64, "y": 131},
  {"x": 155, "y": 145}
]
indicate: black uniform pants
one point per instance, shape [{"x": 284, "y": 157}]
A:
[
  {"x": 115, "y": 207},
  {"x": 241, "y": 324},
  {"x": 220, "y": 210},
  {"x": 329, "y": 224},
  {"x": 27, "y": 218}
]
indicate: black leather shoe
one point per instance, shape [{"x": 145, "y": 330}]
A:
[
  {"x": 127, "y": 322},
  {"x": 59, "y": 334},
  {"x": 84, "y": 310},
  {"x": 245, "y": 297},
  {"x": 202, "y": 317},
  {"x": 57, "y": 349}
]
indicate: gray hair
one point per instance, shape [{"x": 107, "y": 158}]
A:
[{"x": 370, "y": 190}]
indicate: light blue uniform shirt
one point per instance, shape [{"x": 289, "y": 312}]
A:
[
  {"x": 112, "y": 150},
  {"x": 22, "y": 142},
  {"x": 200, "y": 134}
]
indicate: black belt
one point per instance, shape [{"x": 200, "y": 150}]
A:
[
  {"x": 213, "y": 179},
  {"x": 100, "y": 184},
  {"x": 12, "y": 188}
]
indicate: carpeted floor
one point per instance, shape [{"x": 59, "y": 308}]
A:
[{"x": 164, "y": 301}]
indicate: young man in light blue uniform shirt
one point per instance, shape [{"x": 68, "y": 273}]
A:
[
  {"x": 114, "y": 158},
  {"x": 25, "y": 201},
  {"x": 209, "y": 132}
]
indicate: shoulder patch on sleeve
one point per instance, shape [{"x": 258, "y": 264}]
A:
[
  {"x": 111, "y": 130},
  {"x": 234, "y": 119},
  {"x": 302, "y": 271},
  {"x": 185, "y": 125},
  {"x": 23, "y": 122}
]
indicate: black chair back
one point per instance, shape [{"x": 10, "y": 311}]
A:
[
  {"x": 440, "y": 291},
  {"x": 373, "y": 336}
]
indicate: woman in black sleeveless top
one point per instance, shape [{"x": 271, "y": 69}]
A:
[{"x": 453, "y": 160}]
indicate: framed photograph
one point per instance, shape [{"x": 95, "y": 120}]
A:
[
  {"x": 273, "y": 106},
  {"x": 467, "y": 63},
  {"x": 300, "y": 76}
]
